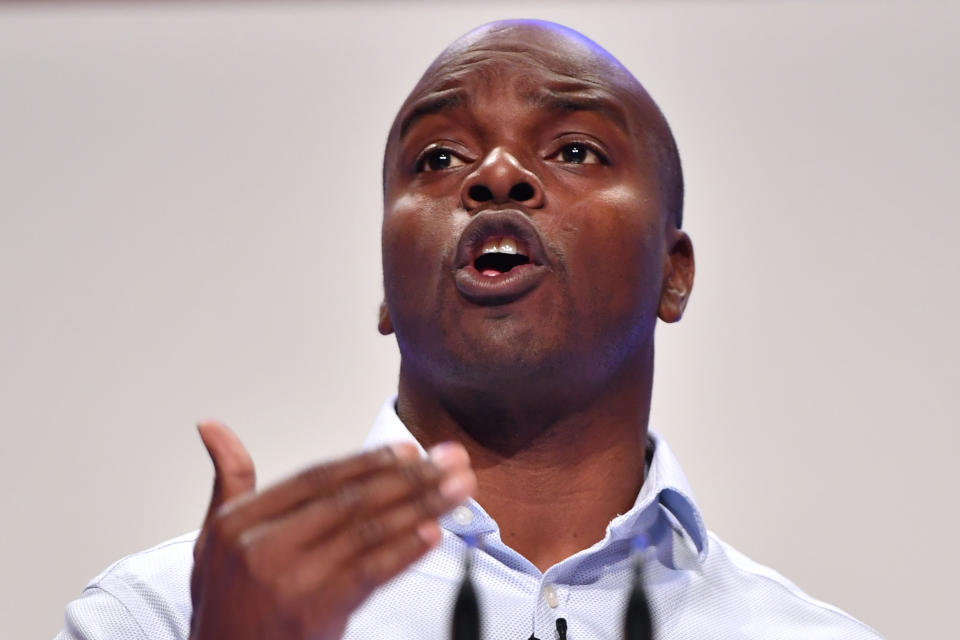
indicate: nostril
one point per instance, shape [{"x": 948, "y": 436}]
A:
[
  {"x": 521, "y": 192},
  {"x": 480, "y": 193}
]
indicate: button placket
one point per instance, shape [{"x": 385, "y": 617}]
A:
[
  {"x": 551, "y": 607},
  {"x": 551, "y": 595}
]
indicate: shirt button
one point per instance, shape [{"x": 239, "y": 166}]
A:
[
  {"x": 550, "y": 596},
  {"x": 462, "y": 515}
]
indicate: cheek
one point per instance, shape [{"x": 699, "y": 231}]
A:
[
  {"x": 618, "y": 244},
  {"x": 418, "y": 240},
  {"x": 415, "y": 235}
]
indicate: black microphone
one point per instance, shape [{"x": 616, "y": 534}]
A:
[
  {"x": 466, "y": 611},
  {"x": 637, "y": 622},
  {"x": 561, "y": 630}
]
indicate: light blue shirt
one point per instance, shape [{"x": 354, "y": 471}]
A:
[{"x": 699, "y": 587}]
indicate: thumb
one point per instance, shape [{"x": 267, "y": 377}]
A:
[
  {"x": 233, "y": 477},
  {"x": 232, "y": 465}
]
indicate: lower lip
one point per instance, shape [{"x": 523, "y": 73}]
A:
[{"x": 501, "y": 288}]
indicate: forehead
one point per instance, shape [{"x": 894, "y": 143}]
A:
[
  {"x": 550, "y": 47},
  {"x": 500, "y": 84},
  {"x": 545, "y": 65}
]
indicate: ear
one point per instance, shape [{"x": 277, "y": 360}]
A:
[
  {"x": 677, "y": 277},
  {"x": 385, "y": 326}
]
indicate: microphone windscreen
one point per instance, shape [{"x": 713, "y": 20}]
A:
[
  {"x": 466, "y": 612},
  {"x": 638, "y": 624}
]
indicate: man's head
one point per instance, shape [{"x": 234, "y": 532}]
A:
[{"x": 532, "y": 203}]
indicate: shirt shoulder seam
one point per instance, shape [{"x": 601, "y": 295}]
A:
[
  {"x": 791, "y": 589},
  {"x": 122, "y": 562},
  {"x": 123, "y": 604}
]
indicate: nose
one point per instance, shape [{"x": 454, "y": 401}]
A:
[{"x": 500, "y": 179}]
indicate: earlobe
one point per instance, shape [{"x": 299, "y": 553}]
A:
[
  {"x": 385, "y": 325},
  {"x": 678, "y": 278}
]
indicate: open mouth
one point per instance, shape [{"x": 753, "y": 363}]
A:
[
  {"x": 500, "y": 258},
  {"x": 499, "y": 255}
]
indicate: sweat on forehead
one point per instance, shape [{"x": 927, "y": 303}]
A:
[{"x": 563, "y": 53}]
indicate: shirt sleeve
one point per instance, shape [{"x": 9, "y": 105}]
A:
[
  {"x": 99, "y": 615},
  {"x": 145, "y": 596}
]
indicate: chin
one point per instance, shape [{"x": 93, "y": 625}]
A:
[{"x": 510, "y": 365}]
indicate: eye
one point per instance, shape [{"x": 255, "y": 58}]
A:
[
  {"x": 438, "y": 159},
  {"x": 578, "y": 153}
]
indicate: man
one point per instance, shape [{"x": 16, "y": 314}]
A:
[{"x": 531, "y": 239}]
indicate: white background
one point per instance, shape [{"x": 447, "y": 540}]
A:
[{"x": 189, "y": 227}]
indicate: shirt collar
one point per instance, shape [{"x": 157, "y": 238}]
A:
[
  {"x": 388, "y": 429},
  {"x": 665, "y": 484}
]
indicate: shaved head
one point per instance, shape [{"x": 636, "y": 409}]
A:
[{"x": 565, "y": 53}]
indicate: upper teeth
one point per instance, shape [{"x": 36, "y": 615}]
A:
[{"x": 499, "y": 245}]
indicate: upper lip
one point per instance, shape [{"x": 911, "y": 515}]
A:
[{"x": 500, "y": 223}]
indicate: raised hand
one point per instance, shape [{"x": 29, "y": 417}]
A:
[{"x": 295, "y": 560}]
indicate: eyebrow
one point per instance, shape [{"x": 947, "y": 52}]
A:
[
  {"x": 431, "y": 104},
  {"x": 560, "y": 101},
  {"x": 566, "y": 102}
]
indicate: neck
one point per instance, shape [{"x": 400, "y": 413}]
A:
[{"x": 552, "y": 468}]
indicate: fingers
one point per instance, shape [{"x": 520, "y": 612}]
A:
[
  {"x": 387, "y": 505},
  {"x": 359, "y": 557},
  {"x": 323, "y": 480},
  {"x": 364, "y": 512},
  {"x": 398, "y": 525},
  {"x": 352, "y": 585}
]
